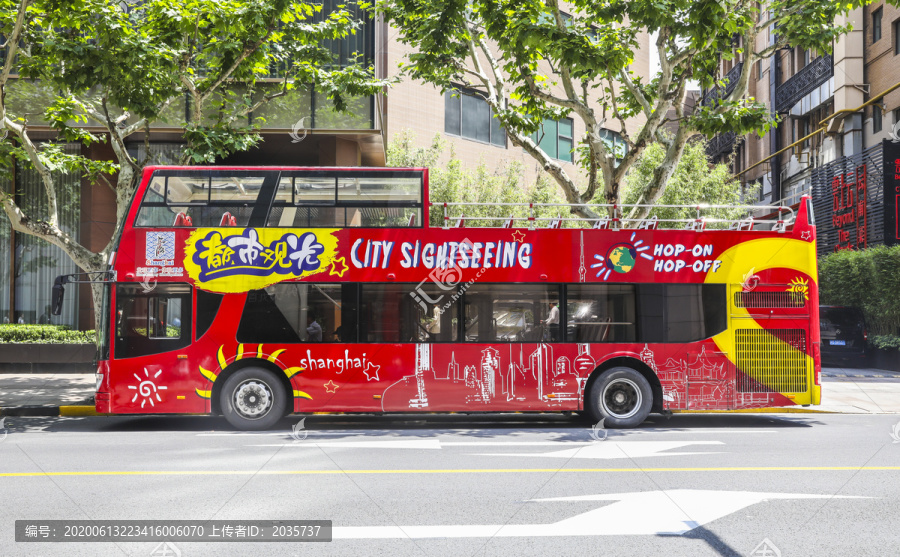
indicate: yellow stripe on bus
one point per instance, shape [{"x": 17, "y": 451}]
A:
[
  {"x": 221, "y": 357},
  {"x": 208, "y": 374}
]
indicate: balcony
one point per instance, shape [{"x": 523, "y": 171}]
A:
[
  {"x": 716, "y": 93},
  {"x": 803, "y": 82},
  {"x": 721, "y": 144}
]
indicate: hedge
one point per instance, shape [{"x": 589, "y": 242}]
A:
[
  {"x": 868, "y": 279},
  {"x": 44, "y": 334}
]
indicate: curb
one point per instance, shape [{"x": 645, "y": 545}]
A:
[{"x": 49, "y": 411}]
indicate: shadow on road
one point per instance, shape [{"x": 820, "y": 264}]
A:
[{"x": 564, "y": 427}]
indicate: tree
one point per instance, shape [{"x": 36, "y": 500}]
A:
[
  {"x": 123, "y": 66},
  {"x": 453, "y": 183},
  {"x": 694, "y": 181},
  {"x": 532, "y": 61}
]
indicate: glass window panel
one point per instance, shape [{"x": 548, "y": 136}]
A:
[
  {"x": 429, "y": 312},
  {"x": 379, "y": 190},
  {"x": 6, "y": 259},
  {"x": 498, "y": 134},
  {"x": 379, "y": 320},
  {"x": 293, "y": 312},
  {"x": 377, "y": 217},
  {"x": 565, "y": 149},
  {"x": 476, "y": 118},
  {"x": 155, "y": 216},
  {"x": 236, "y": 189},
  {"x": 290, "y": 111},
  {"x": 37, "y": 263},
  {"x": 307, "y": 217},
  {"x": 512, "y": 313},
  {"x": 565, "y": 128},
  {"x": 152, "y": 322},
  {"x": 548, "y": 139},
  {"x": 451, "y": 113},
  {"x": 207, "y": 307},
  {"x": 601, "y": 313},
  {"x": 313, "y": 190},
  {"x": 186, "y": 189},
  {"x": 681, "y": 312},
  {"x": 357, "y": 116},
  {"x": 285, "y": 191},
  {"x": 684, "y": 313}
]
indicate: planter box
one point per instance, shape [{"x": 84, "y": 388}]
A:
[
  {"x": 47, "y": 358},
  {"x": 885, "y": 359}
]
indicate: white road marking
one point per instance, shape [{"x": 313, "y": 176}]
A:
[
  {"x": 386, "y": 444},
  {"x": 618, "y": 449},
  {"x": 649, "y": 513}
]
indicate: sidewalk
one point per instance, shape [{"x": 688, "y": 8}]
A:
[{"x": 845, "y": 391}]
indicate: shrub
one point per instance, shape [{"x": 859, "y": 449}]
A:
[
  {"x": 44, "y": 334},
  {"x": 868, "y": 279},
  {"x": 885, "y": 342}
]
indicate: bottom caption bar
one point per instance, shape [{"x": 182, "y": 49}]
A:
[{"x": 173, "y": 530}]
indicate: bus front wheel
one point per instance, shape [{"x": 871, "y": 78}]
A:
[
  {"x": 253, "y": 399},
  {"x": 621, "y": 397}
]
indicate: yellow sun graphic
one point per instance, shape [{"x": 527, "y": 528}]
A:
[
  {"x": 799, "y": 285},
  {"x": 241, "y": 354}
]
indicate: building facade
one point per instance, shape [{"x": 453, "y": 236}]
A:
[{"x": 839, "y": 130}]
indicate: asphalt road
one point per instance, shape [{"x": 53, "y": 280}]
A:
[{"x": 810, "y": 484}]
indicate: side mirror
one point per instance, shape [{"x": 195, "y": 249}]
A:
[{"x": 59, "y": 293}]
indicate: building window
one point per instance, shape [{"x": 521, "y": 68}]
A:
[
  {"x": 468, "y": 115},
  {"x": 876, "y": 24},
  {"x": 896, "y": 27},
  {"x": 28, "y": 263},
  {"x": 876, "y": 119},
  {"x": 614, "y": 143},
  {"x": 555, "y": 138},
  {"x": 759, "y": 69}
]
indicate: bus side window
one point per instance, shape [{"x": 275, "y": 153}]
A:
[
  {"x": 292, "y": 312},
  {"x": 601, "y": 313},
  {"x": 152, "y": 322}
]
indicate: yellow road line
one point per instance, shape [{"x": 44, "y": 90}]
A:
[{"x": 445, "y": 471}]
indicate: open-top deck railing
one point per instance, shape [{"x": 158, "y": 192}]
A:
[{"x": 454, "y": 216}]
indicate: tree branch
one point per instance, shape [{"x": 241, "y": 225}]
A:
[{"x": 12, "y": 43}]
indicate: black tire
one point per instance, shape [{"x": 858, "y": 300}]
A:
[
  {"x": 621, "y": 397},
  {"x": 253, "y": 399}
]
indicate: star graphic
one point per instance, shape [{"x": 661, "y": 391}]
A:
[
  {"x": 518, "y": 236},
  {"x": 371, "y": 372},
  {"x": 338, "y": 267},
  {"x": 331, "y": 387},
  {"x": 806, "y": 235}
]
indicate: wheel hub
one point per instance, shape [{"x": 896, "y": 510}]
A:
[
  {"x": 253, "y": 399},
  {"x": 622, "y": 398}
]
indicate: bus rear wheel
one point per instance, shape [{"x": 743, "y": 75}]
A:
[
  {"x": 253, "y": 399},
  {"x": 621, "y": 397}
]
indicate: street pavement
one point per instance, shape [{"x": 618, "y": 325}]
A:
[{"x": 440, "y": 485}]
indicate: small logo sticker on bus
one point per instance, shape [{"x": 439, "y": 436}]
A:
[{"x": 160, "y": 249}]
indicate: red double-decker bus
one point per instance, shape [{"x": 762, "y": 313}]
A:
[{"x": 256, "y": 292}]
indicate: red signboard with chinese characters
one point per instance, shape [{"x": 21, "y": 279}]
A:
[{"x": 849, "y": 217}]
